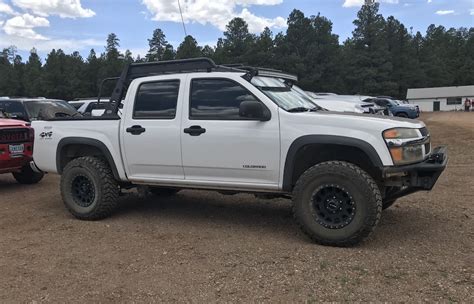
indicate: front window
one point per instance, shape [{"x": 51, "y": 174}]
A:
[
  {"x": 47, "y": 109},
  {"x": 217, "y": 99},
  {"x": 285, "y": 96}
]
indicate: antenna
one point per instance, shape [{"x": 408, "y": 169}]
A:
[{"x": 182, "y": 19}]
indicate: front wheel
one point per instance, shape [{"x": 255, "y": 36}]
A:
[
  {"x": 337, "y": 203},
  {"x": 27, "y": 176},
  {"x": 88, "y": 188}
]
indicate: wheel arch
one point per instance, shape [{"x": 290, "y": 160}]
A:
[
  {"x": 328, "y": 147},
  {"x": 72, "y": 147}
]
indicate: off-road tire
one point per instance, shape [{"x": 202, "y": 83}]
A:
[
  {"x": 158, "y": 191},
  {"x": 364, "y": 194},
  {"x": 27, "y": 176},
  {"x": 101, "y": 180}
]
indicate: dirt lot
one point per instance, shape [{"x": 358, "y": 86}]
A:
[{"x": 206, "y": 247}]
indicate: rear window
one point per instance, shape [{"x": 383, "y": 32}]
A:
[
  {"x": 13, "y": 109},
  {"x": 47, "y": 109},
  {"x": 156, "y": 100}
]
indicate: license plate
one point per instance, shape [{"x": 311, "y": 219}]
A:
[{"x": 16, "y": 149}]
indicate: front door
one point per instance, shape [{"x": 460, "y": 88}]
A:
[
  {"x": 151, "y": 131},
  {"x": 436, "y": 106},
  {"x": 221, "y": 147}
]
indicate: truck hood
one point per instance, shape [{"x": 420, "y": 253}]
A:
[
  {"x": 5, "y": 122},
  {"x": 355, "y": 121}
]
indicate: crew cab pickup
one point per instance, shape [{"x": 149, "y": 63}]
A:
[
  {"x": 194, "y": 124},
  {"x": 16, "y": 150}
]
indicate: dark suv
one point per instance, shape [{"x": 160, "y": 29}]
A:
[
  {"x": 396, "y": 108},
  {"x": 29, "y": 109}
]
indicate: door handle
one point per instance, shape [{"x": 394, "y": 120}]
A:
[
  {"x": 135, "y": 130},
  {"x": 194, "y": 130}
]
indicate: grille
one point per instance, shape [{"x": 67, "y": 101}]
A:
[{"x": 13, "y": 136}]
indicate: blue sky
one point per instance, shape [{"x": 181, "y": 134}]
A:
[{"x": 84, "y": 24}]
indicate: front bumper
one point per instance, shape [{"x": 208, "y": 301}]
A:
[{"x": 419, "y": 176}]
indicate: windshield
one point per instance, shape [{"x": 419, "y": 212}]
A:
[
  {"x": 282, "y": 94},
  {"x": 47, "y": 109}
]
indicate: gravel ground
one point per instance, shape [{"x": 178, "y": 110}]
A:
[{"x": 205, "y": 247}]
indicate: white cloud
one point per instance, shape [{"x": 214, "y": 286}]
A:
[
  {"x": 6, "y": 9},
  {"x": 67, "y": 45},
  {"x": 357, "y": 3},
  {"x": 215, "y": 12},
  {"x": 429, "y": 1},
  {"x": 61, "y": 8},
  {"x": 471, "y": 12},
  {"x": 24, "y": 25},
  {"x": 444, "y": 12}
]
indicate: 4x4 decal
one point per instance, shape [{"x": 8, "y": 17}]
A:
[{"x": 46, "y": 134}]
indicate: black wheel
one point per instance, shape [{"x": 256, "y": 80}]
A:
[
  {"x": 337, "y": 203},
  {"x": 27, "y": 176},
  {"x": 163, "y": 191},
  {"x": 88, "y": 188},
  {"x": 404, "y": 115}
]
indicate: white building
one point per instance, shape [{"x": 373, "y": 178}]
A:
[{"x": 441, "y": 99}]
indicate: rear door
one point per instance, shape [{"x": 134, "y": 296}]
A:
[{"x": 151, "y": 130}]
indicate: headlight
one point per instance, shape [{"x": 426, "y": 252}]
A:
[{"x": 406, "y": 145}]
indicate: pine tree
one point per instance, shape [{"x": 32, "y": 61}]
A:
[
  {"x": 189, "y": 48},
  {"x": 368, "y": 68},
  {"x": 158, "y": 45},
  {"x": 32, "y": 77}
]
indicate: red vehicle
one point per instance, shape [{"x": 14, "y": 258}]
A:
[{"x": 16, "y": 150}]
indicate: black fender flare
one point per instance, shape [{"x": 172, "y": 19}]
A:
[
  {"x": 325, "y": 139},
  {"x": 86, "y": 142}
]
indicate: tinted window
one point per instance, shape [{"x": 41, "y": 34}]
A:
[
  {"x": 14, "y": 109},
  {"x": 157, "y": 100},
  {"x": 217, "y": 99},
  {"x": 47, "y": 109}
]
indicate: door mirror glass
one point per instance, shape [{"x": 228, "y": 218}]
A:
[{"x": 253, "y": 109}]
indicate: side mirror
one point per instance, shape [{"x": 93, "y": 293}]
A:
[{"x": 254, "y": 109}]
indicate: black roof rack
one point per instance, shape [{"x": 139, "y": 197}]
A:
[
  {"x": 138, "y": 70},
  {"x": 259, "y": 71}
]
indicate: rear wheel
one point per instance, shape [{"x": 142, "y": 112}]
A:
[
  {"x": 404, "y": 115},
  {"x": 88, "y": 188},
  {"x": 27, "y": 176},
  {"x": 337, "y": 203}
]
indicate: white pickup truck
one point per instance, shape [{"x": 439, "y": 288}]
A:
[{"x": 194, "y": 124}]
